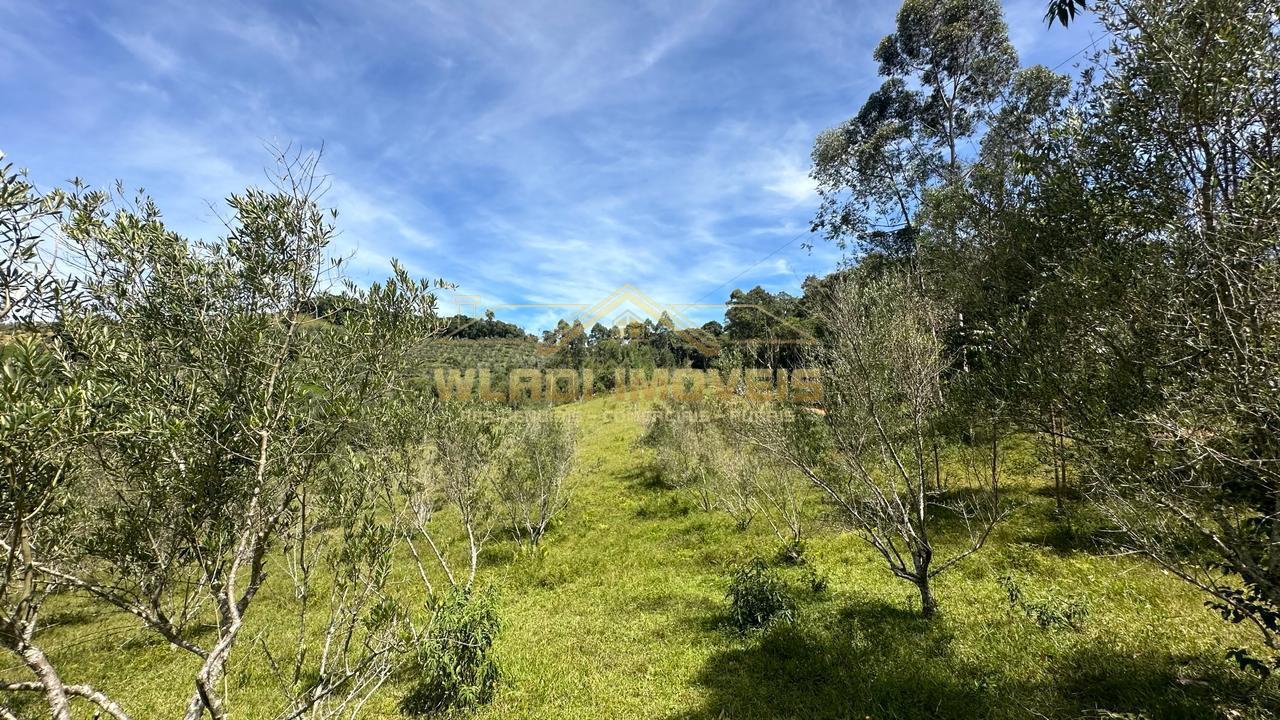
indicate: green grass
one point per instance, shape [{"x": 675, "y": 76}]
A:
[
  {"x": 621, "y": 614},
  {"x": 453, "y": 353}
]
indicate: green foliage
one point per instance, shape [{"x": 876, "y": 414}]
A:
[
  {"x": 624, "y": 616},
  {"x": 497, "y": 357},
  {"x": 685, "y": 451},
  {"x": 180, "y": 408},
  {"x": 959, "y": 50},
  {"x": 815, "y": 580},
  {"x": 772, "y": 330},
  {"x": 1064, "y": 11},
  {"x": 945, "y": 65},
  {"x": 453, "y": 665},
  {"x": 1047, "y": 609},
  {"x": 485, "y": 328},
  {"x": 179, "y": 416},
  {"x": 530, "y": 484},
  {"x": 696, "y": 451},
  {"x": 1250, "y": 603},
  {"x": 758, "y": 597},
  {"x": 874, "y": 448},
  {"x": 1107, "y": 261},
  {"x": 27, "y": 291}
]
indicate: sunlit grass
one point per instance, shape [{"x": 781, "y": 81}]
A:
[{"x": 620, "y": 614}]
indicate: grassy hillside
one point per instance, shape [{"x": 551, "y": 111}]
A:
[
  {"x": 459, "y": 353},
  {"x": 621, "y": 615}
]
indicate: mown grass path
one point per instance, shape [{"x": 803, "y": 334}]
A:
[{"x": 619, "y": 615}]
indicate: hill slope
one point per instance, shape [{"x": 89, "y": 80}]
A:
[{"x": 620, "y": 615}]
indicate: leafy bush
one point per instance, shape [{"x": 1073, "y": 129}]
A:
[
  {"x": 758, "y": 597},
  {"x": 1046, "y": 610},
  {"x": 792, "y": 553},
  {"x": 530, "y": 484},
  {"x": 816, "y": 581},
  {"x": 454, "y": 662}
]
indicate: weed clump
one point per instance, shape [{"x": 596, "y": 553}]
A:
[
  {"x": 758, "y": 597},
  {"x": 1046, "y": 610},
  {"x": 816, "y": 581},
  {"x": 453, "y": 664},
  {"x": 792, "y": 553}
]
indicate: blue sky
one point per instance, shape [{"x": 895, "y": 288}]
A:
[{"x": 529, "y": 152}]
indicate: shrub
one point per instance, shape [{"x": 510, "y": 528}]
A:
[
  {"x": 658, "y": 431},
  {"x": 454, "y": 661},
  {"x": 530, "y": 485},
  {"x": 816, "y": 581},
  {"x": 1045, "y": 609},
  {"x": 758, "y": 597},
  {"x": 792, "y": 553}
]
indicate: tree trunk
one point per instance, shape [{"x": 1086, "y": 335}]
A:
[
  {"x": 55, "y": 693},
  {"x": 20, "y": 626},
  {"x": 203, "y": 697},
  {"x": 921, "y": 559},
  {"x": 1059, "y": 475},
  {"x": 928, "y": 604}
]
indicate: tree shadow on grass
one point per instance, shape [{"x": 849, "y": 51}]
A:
[
  {"x": 881, "y": 661},
  {"x": 644, "y": 476},
  {"x": 1098, "y": 681},
  {"x": 847, "y": 671},
  {"x": 1075, "y": 530}
]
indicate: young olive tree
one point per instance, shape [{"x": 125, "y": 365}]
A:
[
  {"x": 46, "y": 411},
  {"x": 780, "y": 499},
  {"x": 435, "y": 482},
  {"x": 44, "y": 415},
  {"x": 225, "y": 406},
  {"x": 338, "y": 557},
  {"x": 683, "y": 456},
  {"x": 531, "y": 487},
  {"x": 463, "y": 455},
  {"x": 733, "y": 479},
  {"x": 693, "y": 454},
  {"x": 1184, "y": 126},
  {"x": 870, "y": 447}
]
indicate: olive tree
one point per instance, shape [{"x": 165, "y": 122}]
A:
[
  {"x": 44, "y": 414},
  {"x": 694, "y": 453},
  {"x": 454, "y": 464},
  {"x": 780, "y": 498},
  {"x": 224, "y": 408},
  {"x": 683, "y": 456},
  {"x": 1184, "y": 126},
  {"x": 530, "y": 486},
  {"x": 46, "y": 410},
  {"x": 733, "y": 479},
  {"x": 869, "y": 448}
]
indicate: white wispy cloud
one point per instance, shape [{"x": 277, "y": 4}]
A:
[{"x": 533, "y": 152}]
